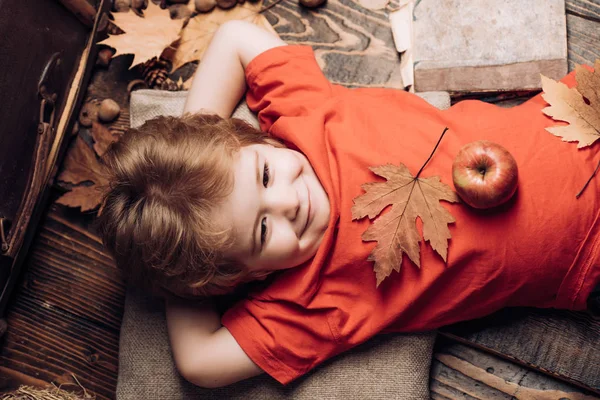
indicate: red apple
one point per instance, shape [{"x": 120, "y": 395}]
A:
[{"x": 485, "y": 174}]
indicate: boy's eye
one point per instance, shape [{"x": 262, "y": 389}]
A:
[
  {"x": 263, "y": 231},
  {"x": 266, "y": 175}
]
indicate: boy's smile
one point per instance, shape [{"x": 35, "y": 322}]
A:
[{"x": 278, "y": 210}]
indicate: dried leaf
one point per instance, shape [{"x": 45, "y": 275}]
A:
[
  {"x": 81, "y": 166},
  {"x": 396, "y": 231},
  {"x": 569, "y": 105},
  {"x": 87, "y": 197},
  {"x": 145, "y": 37},
  {"x": 103, "y": 137},
  {"x": 199, "y": 31}
]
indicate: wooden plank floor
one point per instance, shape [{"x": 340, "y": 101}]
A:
[{"x": 64, "y": 317}]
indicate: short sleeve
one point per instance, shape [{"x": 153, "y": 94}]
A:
[
  {"x": 281, "y": 339},
  {"x": 285, "y": 81}
]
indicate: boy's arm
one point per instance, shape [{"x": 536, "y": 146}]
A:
[
  {"x": 205, "y": 353},
  {"x": 220, "y": 83}
]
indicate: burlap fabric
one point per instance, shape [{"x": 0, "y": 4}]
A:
[{"x": 393, "y": 366}]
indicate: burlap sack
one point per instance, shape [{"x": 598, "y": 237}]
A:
[{"x": 391, "y": 366}]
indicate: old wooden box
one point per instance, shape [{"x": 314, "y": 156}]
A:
[{"x": 46, "y": 54}]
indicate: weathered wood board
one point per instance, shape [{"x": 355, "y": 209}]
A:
[
  {"x": 461, "y": 372},
  {"x": 353, "y": 45},
  {"x": 487, "y": 45},
  {"x": 563, "y": 343}
]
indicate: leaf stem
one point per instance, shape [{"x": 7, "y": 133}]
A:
[
  {"x": 434, "y": 149},
  {"x": 588, "y": 181}
]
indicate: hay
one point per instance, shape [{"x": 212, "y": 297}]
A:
[{"x": 55, "y": 393}]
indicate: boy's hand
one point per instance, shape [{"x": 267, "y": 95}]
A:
[
  {"x": 220, "y": 83},
  {"x": 205, "y": 353}
]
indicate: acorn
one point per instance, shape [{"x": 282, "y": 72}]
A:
[
  {"x": 179, "y": 11},
  {"x": 88, "y": 114},
  {"x": 311, "y": 3},
  {"x": 121, "y": 5},
  {"x": 226, "y": 4},
  {"x": 204, "y": 6},
  {"x": 139, "y": 4},
  {"x": 104, "y": 57},
  {"x": 108, "y": 110}
]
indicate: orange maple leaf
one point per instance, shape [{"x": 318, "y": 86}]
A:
[
  {"x": 579, "y": 106},
  {"x": 395, "y": 231},
  {"x": 145, "y": 37}
]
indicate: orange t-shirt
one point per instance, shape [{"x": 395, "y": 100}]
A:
[{"x": 540, "y": 249}]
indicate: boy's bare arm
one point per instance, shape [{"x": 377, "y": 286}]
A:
[
  {"x": 205, "y": 353},
  {"x": 220, "y": 83}
]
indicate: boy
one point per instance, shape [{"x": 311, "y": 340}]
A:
[{"x": 199, "y": 204}]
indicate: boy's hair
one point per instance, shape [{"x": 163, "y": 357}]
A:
[{"x": 166, "y": 179}]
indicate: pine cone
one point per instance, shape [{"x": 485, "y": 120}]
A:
[
  {"x": 155, "y": 71},
  {"x": 169, "y": 84}
]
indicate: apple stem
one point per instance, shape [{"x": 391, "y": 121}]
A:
[
  {"x": 431, "y": 155},
  {"x": 588, "y": 181}
]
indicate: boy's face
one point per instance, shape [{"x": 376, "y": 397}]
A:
[{"x": 278, "y": 209}]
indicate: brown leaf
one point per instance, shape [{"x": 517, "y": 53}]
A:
[
  {"x": 85, "y": 196},
  {"x": 145, "y": 37},
  {"x": 81, "y": 165},
  {"x": 103, "y": 137},
  {"x": 569, "y": 105},
  {"x": 396, "y": 231},
  {"x": 199, "y": 31}
]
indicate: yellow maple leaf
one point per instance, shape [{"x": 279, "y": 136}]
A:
[
  {"x": 199, "y": 31},
  {"x": 395, "y": 231},
  {"x": 145, "y": 37},
  {"x": 579, "y": 106}
]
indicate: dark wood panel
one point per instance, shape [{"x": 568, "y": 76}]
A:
[
  {"x": 562, "y": 343},
  {"x": 50, "y": 344},
  {"x": 66, "y": 314},
  {"x": 461, "y": 372},
  {"x": 69, "y": 269}
]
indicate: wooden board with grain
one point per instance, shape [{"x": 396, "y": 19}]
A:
[
  {"x": 353, "y": 45},
  {"x": 460, "y": 371},
  {"x": 565, "y": 344},
  {"x": 66, "y": 316}
]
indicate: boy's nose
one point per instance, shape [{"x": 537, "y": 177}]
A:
[{"x": 285, "y": 202}]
